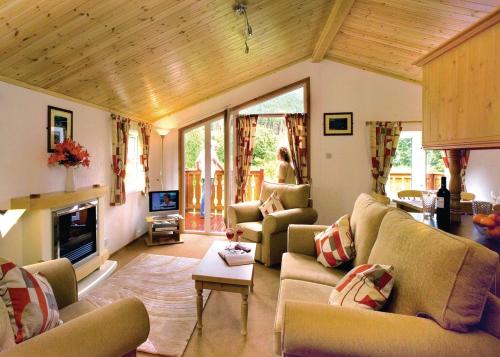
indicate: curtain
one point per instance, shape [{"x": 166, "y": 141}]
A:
[
  {"x": 384, "y": 137},
  {"x": 297, "y": 138},
  {"x": 145, "y": 134},
  {"x": 119, "y": 131},
  {"x": 464, "y": 161},
  {"x": 246, "y": 126}
]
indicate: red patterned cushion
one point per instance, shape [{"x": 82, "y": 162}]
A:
[
  {"x": 272, "y": 204},
  {"x": 335, "y": 245},
  {"x": 29, "y": 300},
  {"x": 366, "y": 286}
]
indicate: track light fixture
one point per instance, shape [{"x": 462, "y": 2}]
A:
[{"x": 241, "y": 9}]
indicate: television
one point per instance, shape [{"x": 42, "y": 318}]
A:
[{"x": 161, "y": 201}]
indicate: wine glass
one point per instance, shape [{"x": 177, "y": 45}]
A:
[
  {"x": 495, "y": 194},
  {"x": 239, "y": 233},
  {"x": 229, "y": 236}
]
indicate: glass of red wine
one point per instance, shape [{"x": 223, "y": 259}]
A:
[
  {"x": 239, "y": 233},
  {"x": 230, "y": 237}
]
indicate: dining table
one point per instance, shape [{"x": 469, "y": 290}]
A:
[{"x": 415, "y": 205}]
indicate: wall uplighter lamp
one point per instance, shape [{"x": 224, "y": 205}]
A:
[{"x": 8, "y": 219}]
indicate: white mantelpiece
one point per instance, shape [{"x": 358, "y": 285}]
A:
[{"x": 37, "y": 225}]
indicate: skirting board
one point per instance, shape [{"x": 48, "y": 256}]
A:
[{"x": 95, "y": 278}]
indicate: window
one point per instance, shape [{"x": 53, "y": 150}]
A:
[
  {"x": 271, "y": 131},
  {"x": 134, "y": 178},
  {"x": 414, "y": 167}
]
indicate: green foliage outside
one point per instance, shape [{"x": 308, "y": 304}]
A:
[
  {"x": 195, "y": 143},
  {"x": 402, "y": 160},
  {"x": 291, "y": 102}
]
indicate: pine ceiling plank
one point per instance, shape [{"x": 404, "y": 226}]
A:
[
  {"x": 335, "y": 19},
  {"x": 371, "y": 68},
  {"x": 198, "y": 40}
]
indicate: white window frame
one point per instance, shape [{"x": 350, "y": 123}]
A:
[{"x": 134, "y": 177}]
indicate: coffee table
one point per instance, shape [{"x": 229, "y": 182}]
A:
[{"x": 214, "y": 274}]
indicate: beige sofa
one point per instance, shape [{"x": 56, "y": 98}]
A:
[
  {"x": 438, "y": 275},
  {"x": 113, "y": 330},
  {"x": 270, "y": 233}
]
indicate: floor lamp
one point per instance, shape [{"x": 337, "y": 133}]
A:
[{"x": 162, "y": 132}]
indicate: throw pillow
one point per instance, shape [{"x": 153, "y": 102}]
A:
[
  {"x": 272, "y": 204},
  {"x": 29, "y": 300},
  {"x": 366, "y": 286},
  {"x": 335, "y": 245},
  {"x": 6, "y": 334}
]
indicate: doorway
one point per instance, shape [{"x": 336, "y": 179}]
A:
[{"x": 204, "y": 176}]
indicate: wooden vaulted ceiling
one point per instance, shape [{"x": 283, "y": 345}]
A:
[{"x": 151, "y": 58}]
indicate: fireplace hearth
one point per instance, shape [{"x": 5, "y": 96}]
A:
[{"x": 75, "y": 232}]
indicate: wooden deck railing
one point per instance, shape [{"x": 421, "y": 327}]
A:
[
  {"x": 402, "y": 181},
  {"x": 192, "y": 178}
]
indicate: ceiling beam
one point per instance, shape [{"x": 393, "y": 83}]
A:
[{"x": 337, "y": 15}]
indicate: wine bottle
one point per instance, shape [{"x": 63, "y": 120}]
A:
[{"x": 443, "y": 206}]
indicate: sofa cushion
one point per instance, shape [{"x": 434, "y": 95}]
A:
[
  {"x": 292, "y": 196},
  {"x": 306, "y": 268},
  {"x": 252, "y": 231},
  {"x": 436, "y": 274},
  {"x": 29, "y": 300},
  {"x": 76, "y": 309},
  {"x": 299, "y": 291},
  {"x": 365, "y": 223},
  {"x": 366, "y": 286},
  {"x": 6, "y": 334},
  {"x": 335, "y": 246},
  {"x": 272, "y": 204},
  {"x": 490, "y": 321}
]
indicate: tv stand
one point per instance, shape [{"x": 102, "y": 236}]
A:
[{"x": 163, "y": 229}]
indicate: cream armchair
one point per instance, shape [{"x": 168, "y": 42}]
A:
[
  {"x": 113, "y": 330},
  {"x": 270, "y": 233}
]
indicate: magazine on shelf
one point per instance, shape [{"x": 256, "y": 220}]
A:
[{"x": 236, "y": 257}]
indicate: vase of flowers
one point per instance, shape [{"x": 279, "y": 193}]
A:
[{"x": 69, "y": 154}]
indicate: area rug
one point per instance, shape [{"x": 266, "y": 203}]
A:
[{"x": 163, "y": 283}]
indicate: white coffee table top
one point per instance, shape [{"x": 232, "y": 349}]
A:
[{"x": 213, "y": 268}]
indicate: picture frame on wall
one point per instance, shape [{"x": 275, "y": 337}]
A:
[
  {"x": 337, "y": 123},
  {"x": 59, "y": 126}
]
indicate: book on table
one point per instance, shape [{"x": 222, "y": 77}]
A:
[{"x": 236, "y": 257}]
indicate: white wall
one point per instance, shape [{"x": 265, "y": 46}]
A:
[
  {"x": 483, "y": 173},
  {"x": 336, "y": 182},
  {"x": 24, "y": 169}
]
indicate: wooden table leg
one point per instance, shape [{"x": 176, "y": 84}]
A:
[
  {"x": 199, "y": 307},
  {"x": 244, "y": 313},
  {"x": 251, "y": 286}
]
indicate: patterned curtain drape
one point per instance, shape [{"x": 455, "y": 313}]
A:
[
  {"x": 464, "y": 161},
  {"x": 119, "y": 131},
  {"x": 297, "y": 138},
  {"x": 246, "y": 126},
  {"x": 145, "y": 132},
  {"x": 384, "y": 137}
]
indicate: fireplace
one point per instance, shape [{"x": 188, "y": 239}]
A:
[{"x": 74, "y": 233}]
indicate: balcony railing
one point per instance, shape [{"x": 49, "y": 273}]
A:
[
  {"x": 399, "y": 181},
  {"x": 193, "y": 189}
]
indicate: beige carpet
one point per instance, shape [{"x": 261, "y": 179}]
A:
[{"x": 164, "y": 285}]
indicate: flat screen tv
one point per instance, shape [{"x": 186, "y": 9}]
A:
[{"x": 160, "y": 201}]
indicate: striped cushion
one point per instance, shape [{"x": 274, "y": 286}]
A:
[
  {"x": 29, "y": 300},
  {"x": 272, "y": 204},
  {"x": 366, "y": 286},
  {"x": 335, "y": 245}
]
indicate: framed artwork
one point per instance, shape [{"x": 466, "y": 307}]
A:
[
  {"x": 337, "y": 123},
  {"x": 59, "y": 126}
]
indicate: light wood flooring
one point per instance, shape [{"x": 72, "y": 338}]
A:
[{"x": 221, "y": 317}]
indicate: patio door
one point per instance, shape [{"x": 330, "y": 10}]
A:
[{"x": 204, "y": 185}]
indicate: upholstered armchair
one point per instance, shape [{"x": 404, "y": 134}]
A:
[
  {"x": 113, "y": 330},
  {"x": 270, "y": 233}
]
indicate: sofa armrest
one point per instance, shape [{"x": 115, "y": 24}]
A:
[
  {"x": 301, "y": 238},
  {"x": 61, "y": 277},
  {"x": 112, "y": 330},
  {"x": 340, "y": 331},
  {"x": 279, "y": 221},
  {"x": 244, "y": 212}
]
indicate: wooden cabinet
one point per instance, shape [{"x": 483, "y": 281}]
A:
[{"x": 461, "y": 89}]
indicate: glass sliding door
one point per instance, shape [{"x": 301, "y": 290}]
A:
[{"x": 204, "y": 183}]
